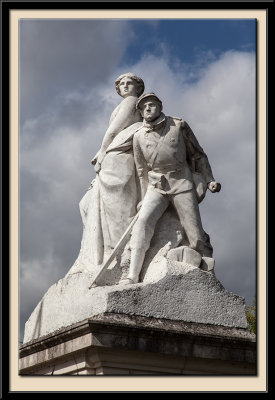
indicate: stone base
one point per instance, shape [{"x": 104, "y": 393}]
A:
[
  {"x": 170, "y": 290},
  {"x": 117, "y": 344}
]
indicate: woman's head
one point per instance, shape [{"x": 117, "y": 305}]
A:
[{"x": 129, "y": 84}]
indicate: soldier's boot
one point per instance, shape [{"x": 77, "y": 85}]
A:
[
  {"x": 137, "y": 258},
  {"x": 204, "y": 247}
]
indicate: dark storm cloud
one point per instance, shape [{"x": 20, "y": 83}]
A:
[{"x": 58, "y": 55}]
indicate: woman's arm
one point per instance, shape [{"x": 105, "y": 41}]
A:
[{"x": 123, "y": 118}]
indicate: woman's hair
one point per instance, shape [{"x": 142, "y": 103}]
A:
[{"x": 139, "y": 82}]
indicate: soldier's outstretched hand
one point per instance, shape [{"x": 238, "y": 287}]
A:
[{"x": 214, "y": 186}]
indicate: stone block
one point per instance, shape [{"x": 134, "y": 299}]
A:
[
  {"x": 186, "y": 255},
  {"x": 191, "y": 257},
  {"x": 208, "y": 264}
]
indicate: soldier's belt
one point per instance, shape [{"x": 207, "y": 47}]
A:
[{"x": 168, "y": 168}]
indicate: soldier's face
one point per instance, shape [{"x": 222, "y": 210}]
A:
[{"x": 150, "y": 110}]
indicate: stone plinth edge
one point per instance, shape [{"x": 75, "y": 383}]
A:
[{"x": 118, "y": 344}]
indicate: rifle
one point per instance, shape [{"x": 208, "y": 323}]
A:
[{"x": 117, "y": 250}]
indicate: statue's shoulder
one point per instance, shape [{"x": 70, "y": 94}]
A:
[
  {"x": 177, "y": 121},
  {"x": 184, "y": 126},
  {"x": 127, "y": 105},
  {"x": 130, "y": 100}
]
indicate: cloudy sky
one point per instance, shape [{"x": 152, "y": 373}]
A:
[{"x": 204, "y": 71}]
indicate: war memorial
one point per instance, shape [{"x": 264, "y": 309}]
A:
[{"x": 142, "y": 297}]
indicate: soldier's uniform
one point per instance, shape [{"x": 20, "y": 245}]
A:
[{"x": 167, "y": 155}]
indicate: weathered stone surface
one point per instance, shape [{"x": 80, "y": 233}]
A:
[
  {"x": 118, "y": 344},
  {"x": 170, "y": 290},
  {"x": 185, "y": 293}
]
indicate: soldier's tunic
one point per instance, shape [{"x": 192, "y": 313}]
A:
[{"x": 167, "y": 154}]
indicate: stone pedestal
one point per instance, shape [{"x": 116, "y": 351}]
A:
[
  {"x": 178, "y": 320},
  {"x": 119, "y": 344},
  {"x": 170, "y": 290}
]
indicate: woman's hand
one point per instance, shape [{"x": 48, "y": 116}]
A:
[
  {"x": 97, "y": 167},
  {"x": 97, "y": 160}
]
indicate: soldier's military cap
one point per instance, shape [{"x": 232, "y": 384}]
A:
[{"x": 147, "y": 95}]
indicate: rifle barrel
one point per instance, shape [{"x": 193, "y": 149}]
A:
[{"x": 120, "y": 246}]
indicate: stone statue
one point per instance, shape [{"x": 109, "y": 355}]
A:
[
  {"x": 167, "y": 154},
  {"x": 129, "y": 86},
  {"x": 151, "y": 175},
  {"x": 110, "y": 203},
  {"x": 99, "y": 327}
]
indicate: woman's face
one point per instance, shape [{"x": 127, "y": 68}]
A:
[{"x": 127, "y": 87}]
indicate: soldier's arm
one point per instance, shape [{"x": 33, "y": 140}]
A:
[
  {"x": 141, "y": 165},
  {"x": 199, "y": 158}
]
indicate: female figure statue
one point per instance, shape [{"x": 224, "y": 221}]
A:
[
  {"x": 110, "y": 203},
  {"x": 130, "y": 87}
]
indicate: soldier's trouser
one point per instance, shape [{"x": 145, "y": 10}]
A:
[{"x": 153, "y": 206}]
